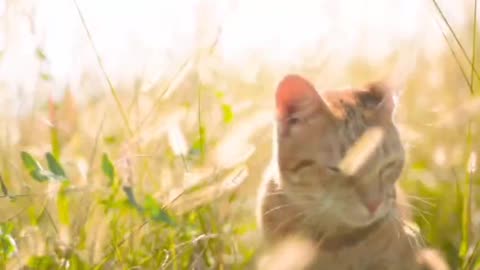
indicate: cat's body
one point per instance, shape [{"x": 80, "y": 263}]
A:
[
  {"x": 338, "y": 157},
  {"x": 382, "y": 246}
]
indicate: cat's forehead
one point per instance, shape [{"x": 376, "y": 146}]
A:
[{"x": 341, "y": 102}]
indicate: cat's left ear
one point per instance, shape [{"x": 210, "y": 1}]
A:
[
  {"x": 380, "y": 99},
  {"x": 296, "y": 94}
]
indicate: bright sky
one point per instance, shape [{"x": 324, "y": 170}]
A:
[{"x": 148, "y": 37}]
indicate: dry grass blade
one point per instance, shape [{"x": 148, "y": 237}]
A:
[
  {"x": 474, "y": 47},
  {"x": 3, "y": 186},
  {"x": 464, "y": 52},
  {"x": 457, "y": 60},
  {"x": 95, "y": 146},
  {"x": 361, "y": 151},
  {"x": 179, "y": 76},
  {"x": 104, "y": 72},
  {"x": 474, "y": 257}
]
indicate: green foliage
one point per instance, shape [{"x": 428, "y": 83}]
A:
[
  {"x": 63, "y": 204},
  {"x": 156, "y": 212},
  {"x": 131, "y": 197},
  {"x": 108, "y": 169},
  {"x": 40, "y": 54},
  {"x": 43, "y": 263},
  {"x": 56, "y": 172},
  {"x": 55, "y": 167},
  {"x": 45, "y": 76},
  {"x": 227, "y": 113},
  {"x": 54, "y": 136},
  {"x": 198, "y": 147},
  {"x": 8, "y": 247},
  {"x": 34, "y": 168}
]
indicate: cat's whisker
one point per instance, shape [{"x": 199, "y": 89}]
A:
[
  {"x": 281, "y": 224},
  {"x": 396, "y": 228},
  {"x": 424, "y": 200},
  {"x": 299, "y": 203},
  {"x": 419, "y": 240},
  {"x": 422, "y": 216},
  {"x": 414, "y": 208},
  {"x": 282, "y": 206},
  {"x": 399, "y": 226},
  {"x": 420, "y": 212},
  {"x": 307, "y": 219},
  {"x": 401, "y": 223}
]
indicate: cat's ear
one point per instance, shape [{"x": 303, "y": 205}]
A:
[
  {"x": 294, "y": 94},
  {"x": 380, "y": 99}
]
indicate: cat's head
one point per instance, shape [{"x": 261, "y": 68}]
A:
[{"x": 339, "y": 153}]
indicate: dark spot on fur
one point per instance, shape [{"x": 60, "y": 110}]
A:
[{"x": 370, "y": 100}]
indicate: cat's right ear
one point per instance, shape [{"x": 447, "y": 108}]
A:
[{"x": 295, "y": 94}]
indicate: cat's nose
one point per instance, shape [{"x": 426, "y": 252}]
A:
[{"x": 373, "y": 205}]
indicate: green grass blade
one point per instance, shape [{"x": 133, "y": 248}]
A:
[
  {"x": 450, "y": 28},
  {"x": 108, "y": 169},
  {"x": 474, "y": 49},
  {"x": 467, "y": 203},
  {"x": 29, "y": 162},
  {"x": 55, "y": 166},
  {"x": 54, "y": 138},
  {"x": 3, "y": 186}
]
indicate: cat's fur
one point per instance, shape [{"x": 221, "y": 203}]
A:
[{"x": 338, "y": 157}]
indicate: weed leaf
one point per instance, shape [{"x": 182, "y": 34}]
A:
[
  {"x": 156, "y": 212},
  {"x": 55, "y": 166},
  {"x": 108, "y": 168},
  {"x": 29, "y": 162},
  {"x": 131, "y": 197}
]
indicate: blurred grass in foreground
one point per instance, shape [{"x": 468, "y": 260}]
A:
[{"x": 175, "y": 187}]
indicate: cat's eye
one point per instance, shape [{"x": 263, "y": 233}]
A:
[
  {"x": 390, "y": 171},
  {"x": 390, "y": 165},
  {"x": 293, "y": 120},
  {"x": 334, "y": 169}
]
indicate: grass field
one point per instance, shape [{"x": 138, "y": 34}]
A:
[{"x": 167, "y": 178}]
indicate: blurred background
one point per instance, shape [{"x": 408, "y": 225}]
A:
[{"x": 134, "y": 134}]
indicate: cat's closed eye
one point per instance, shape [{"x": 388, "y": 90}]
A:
[
  {"x": 334, "y": 169},
  {"x": 302, "y": 164},
  {"x": 293, "y": 120}
]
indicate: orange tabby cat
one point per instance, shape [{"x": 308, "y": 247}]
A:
[{"x": 338, "y": 157}]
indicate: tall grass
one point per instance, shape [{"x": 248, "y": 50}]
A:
[{"x": 166, "y": 179}]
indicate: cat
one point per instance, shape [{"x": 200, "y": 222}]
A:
[{"x": 338, "y": 157}]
